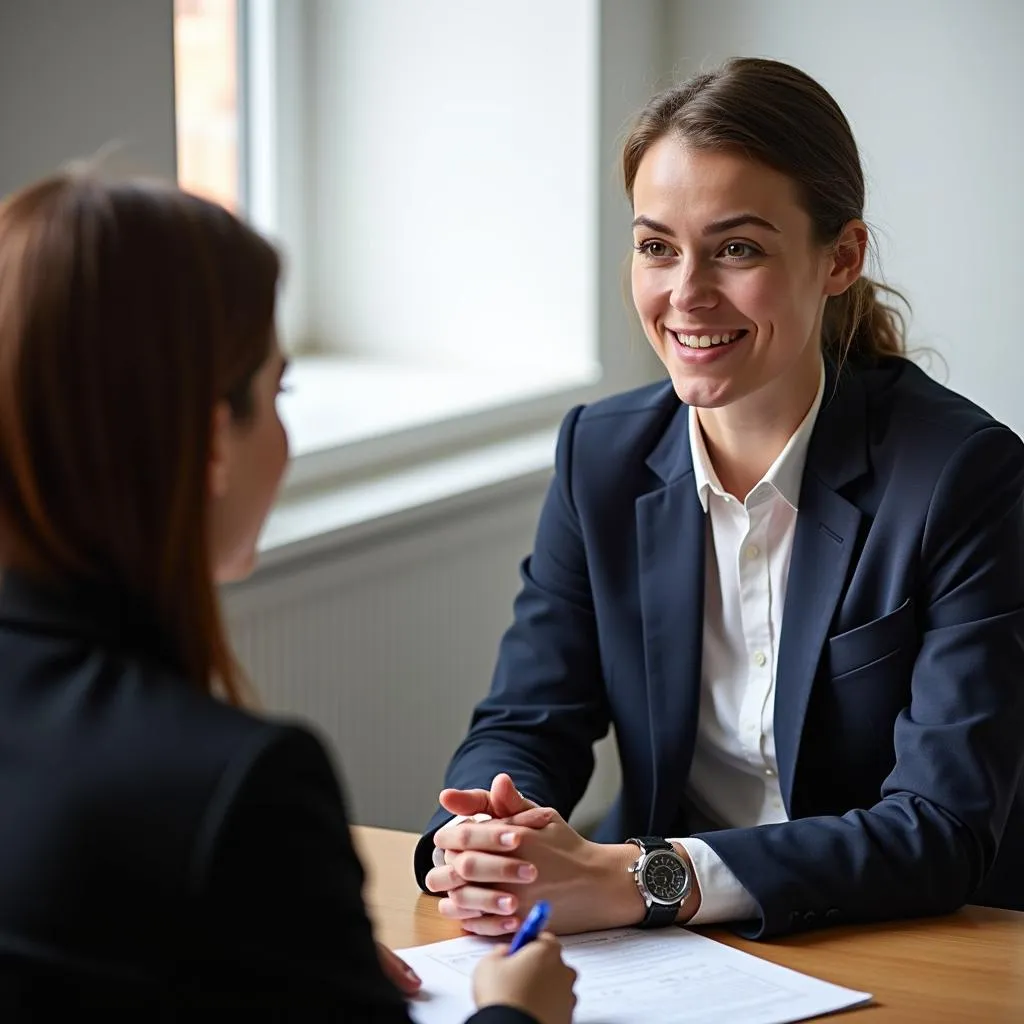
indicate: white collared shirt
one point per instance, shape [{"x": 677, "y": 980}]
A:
[{"x": 733, "y": 779}]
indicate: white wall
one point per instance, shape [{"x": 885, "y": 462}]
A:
[
  {"x": 632, "y": 67},
  {"x": 454, "y": 198},
  {"x": 75, "y": 76},
  {"x": 932, "y": 89},
  {"x": 386, "y": 644}
]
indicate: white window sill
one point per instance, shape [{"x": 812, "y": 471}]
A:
[
  {"x": 304, "y": 525},
  {"x": 349, "y": 418},
  {"x": 377, "y": 447}
]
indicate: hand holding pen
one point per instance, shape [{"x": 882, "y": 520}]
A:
[{"x": 528, "y": 974}]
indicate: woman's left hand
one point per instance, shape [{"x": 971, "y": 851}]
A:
[
  {"x": 587, "y": 884},
  {"x": 398, "y": 972}
]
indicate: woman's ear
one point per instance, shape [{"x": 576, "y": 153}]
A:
[
  {"x": 847, "y": 257},
  {"x": 218, "y": 471}
]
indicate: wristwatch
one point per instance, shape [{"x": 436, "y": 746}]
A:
[{"x": 662, "y": 877}]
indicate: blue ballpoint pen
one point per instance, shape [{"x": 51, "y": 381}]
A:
[{"x": 532, "y": 926}]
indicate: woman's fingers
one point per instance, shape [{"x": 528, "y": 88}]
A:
[
  {"x": 447, "y": 907},
  {"x": 489, "y": 924},
  {"x": 443, "y": 878},
  {"x": 401, "y": 975},
  {"x": 472, "y": 866},
  {"x": 535, "y": 817},
  {"x": 487, "y": 836},
  {"x": 476, "y": 920},
  {"x": 466, "y": 801},
  {"x": 475, "y": 900}
]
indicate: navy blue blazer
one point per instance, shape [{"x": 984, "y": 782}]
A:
[{"x": 899, "y": 706}]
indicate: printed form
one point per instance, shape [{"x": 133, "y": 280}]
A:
[{"x": 628, "y": 976}]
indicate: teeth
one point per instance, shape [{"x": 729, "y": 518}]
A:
[{"x": 706, "y": 340}]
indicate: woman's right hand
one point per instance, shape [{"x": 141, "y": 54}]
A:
[{"x": 534, "y": 980}]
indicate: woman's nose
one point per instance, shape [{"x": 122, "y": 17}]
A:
[{"x": 692, "y": 288}]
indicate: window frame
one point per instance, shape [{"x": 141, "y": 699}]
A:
[{"x": 272, "y": 40}]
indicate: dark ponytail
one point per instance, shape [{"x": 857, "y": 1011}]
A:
[{"x": 861, "y": 325}]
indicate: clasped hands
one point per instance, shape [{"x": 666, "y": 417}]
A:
[{"x": 495, "y": 870}]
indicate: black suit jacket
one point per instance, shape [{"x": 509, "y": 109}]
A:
[
  {"x": 899, "y": 704},
  {"x": 161, "y": 851}
]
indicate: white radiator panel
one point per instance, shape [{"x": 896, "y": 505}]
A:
[{"x": 385, "y": 645}]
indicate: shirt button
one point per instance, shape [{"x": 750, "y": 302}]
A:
[
  {"x": 759, "y": 659},
  {"x": 753, "y": 551},
  {"x": 770, "y": 773}
]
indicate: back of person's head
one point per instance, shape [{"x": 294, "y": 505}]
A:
[
  {"x": 128, "y": 310},
  {"x": 781, "y": 117}
]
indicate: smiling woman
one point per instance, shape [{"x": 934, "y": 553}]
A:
[
  {"x": 708, "y": 549},
  {"x": 752, "y": 280}
]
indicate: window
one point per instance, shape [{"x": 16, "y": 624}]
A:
[
  {"x": 206, "y": 96},
  {"x": 430, "y": 170}
]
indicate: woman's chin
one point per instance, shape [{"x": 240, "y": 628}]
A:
[
  {"x": 701, "y": 393},
  {"x": 238, "y": 568}
]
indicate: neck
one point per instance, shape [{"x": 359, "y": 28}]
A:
[{"x": 744, "y": 438}]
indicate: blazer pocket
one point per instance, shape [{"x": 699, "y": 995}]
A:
[{"x": 874, "y": 641}]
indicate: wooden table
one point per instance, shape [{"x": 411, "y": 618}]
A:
[{"x": 965, "y": 968}]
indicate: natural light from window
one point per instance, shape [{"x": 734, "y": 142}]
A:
[
  {"x": 438, "y": 226},
  {"x": 206, "y": 95}
]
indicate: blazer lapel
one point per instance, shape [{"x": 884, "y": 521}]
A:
[
  {"x": 823, "y": 545},
  {"x": 671, "y": 537}
]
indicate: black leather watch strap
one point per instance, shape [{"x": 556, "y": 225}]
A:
[
  {"x": 651, "y": 843},
  {"x": 658, "y": 916}
]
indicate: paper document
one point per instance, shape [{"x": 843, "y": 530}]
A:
[{"x": 628, "y": 976}]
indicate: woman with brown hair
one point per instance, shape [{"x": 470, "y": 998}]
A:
[
  {"x": 164, "y": 850},
  {"x": 791, "y": 576}
]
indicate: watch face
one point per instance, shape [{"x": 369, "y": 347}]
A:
[{"x": 665, "y": 878}]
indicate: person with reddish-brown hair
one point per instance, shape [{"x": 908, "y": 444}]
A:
[{"x": 164, "y": 849}]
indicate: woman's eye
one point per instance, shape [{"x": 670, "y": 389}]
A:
[
  {"x": 739, "y": 251},
  {"x": 653, "y": 248}
]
